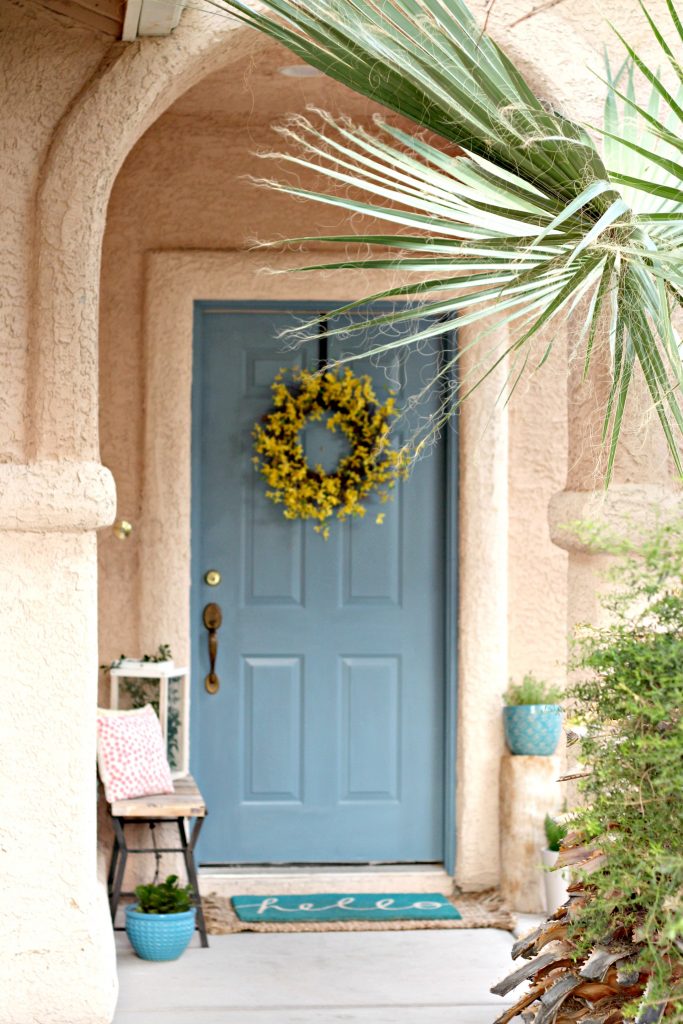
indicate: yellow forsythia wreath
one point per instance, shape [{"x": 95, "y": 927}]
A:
[{"x": 308, "y": 492}]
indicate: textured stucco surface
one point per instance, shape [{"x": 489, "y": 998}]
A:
[
  {"x": 55, "y": 496},
  {"x": 537, "y": 610},
  {"x": 102, "y": 126},
  {"x": 483, "y": 617},
  {"x": 56, "y": 948},
  {"x": 44, "y": 64},
  {"x": 623, "y": 510}
]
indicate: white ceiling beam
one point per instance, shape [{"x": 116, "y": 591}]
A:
[
  {"x": 151, "y": 18},
  {"x": 131, "y": 21}
]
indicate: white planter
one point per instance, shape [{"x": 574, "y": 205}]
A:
[{"x": 555, "y": 882}]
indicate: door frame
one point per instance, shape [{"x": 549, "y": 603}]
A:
[{"x": 451, "y": 513}]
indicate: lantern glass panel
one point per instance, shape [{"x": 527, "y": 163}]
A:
[
  {"x": 175, "y": 735},
  {"x": 136, "y": 691}
]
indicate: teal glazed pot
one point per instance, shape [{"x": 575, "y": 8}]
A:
[
  {"x": 159, "y": 936},
  {"x": 533, "y": 729}
]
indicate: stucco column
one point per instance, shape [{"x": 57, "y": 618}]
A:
[
  {"x": 483, "y": 624},
  {"x": 56, "y": 946},
  {"x": 643, "y": 484}
]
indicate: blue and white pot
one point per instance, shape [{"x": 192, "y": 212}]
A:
[
  {"x": 159, "y": 936},
  {"x": 533, "y": 729}
]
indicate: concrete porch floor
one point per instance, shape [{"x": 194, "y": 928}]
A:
[{"x": 411, "y": 977}]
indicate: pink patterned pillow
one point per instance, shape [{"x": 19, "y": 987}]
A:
[{"x": 130, "y": 754}]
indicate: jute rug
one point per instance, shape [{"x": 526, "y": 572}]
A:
[{"x": 478, "y": 910}]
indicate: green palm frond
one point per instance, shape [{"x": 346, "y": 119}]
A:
[
  {"x": 527, "y": 217},
  {"x": 429, "y": 60}
]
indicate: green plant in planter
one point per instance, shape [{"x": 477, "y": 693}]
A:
[
  {"x": 162, "y": 922},
  {"x": 533, "y": 717},
  {"x": 555, "y": 882},
  {"x": 531, "y": 691},
  {"x": 555, "y": 833},
  {"x": 164, "y": 898}
]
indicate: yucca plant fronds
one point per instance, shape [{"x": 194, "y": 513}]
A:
[
  {"x": 570, "y": 983},
  {"x": 515, "y": 211}
]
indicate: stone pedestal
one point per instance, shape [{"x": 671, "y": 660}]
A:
[{"x": 528, "y": 791}]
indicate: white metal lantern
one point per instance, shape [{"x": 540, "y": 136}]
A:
[{"x": 167, "y": 688}]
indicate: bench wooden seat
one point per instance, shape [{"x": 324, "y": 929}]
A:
[{"x": 185, "y": 803}]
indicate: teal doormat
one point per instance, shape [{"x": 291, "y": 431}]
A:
[
  {"x": 474, "y": 910},
  {"x": 337, "y": 907}
]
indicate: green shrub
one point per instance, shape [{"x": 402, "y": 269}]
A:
[
  {"x": 555, "y": 832},
  {"x": 630, "y": 703},
  {"x": 532, "y": 691},
  {"x": 166, "y": 898}
]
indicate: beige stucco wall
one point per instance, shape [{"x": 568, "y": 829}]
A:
[
  {"x": 44, "y": 65},
  {"x": 55, "y": 914},
  {"x": 57, "y": 956}
]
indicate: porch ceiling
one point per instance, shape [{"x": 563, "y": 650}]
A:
[
  {"x": 254, "y": 91},
  {"x": 104, "y": 16}
]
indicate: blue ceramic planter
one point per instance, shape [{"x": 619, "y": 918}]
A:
[
  {"x": 533, "y": 728},
  {"x": 159, "y": 936}
]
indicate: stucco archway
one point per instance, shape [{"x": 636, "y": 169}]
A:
[
  {"x": 132, "y": 88},
  {"x": 135, "y": 84},
  {"x": 163, "y": 570},
  {"x": 162, "y": 576}
]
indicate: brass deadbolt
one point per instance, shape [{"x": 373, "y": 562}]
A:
[{"x": 212, "y": 577}]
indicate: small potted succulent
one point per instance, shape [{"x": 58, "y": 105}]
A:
[
  {"x": 532, "y": 717},
  {"x": 162, "y": 922},
  {"x": 555, "y": 881}
]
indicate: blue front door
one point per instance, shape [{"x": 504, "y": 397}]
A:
[{"x": 325, "y": 741}]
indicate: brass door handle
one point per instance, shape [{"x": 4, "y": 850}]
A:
[{"x": 213, "y": 618}]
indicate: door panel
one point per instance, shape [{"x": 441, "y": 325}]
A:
[
  {"x": 325, "y": 742},
  {"x": 273, "y": 733},
  {"x": 370, "y": 728}
]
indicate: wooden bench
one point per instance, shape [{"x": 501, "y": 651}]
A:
[{"x": 186, "y": 802}]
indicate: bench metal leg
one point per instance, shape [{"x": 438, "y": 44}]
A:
[
  {"x": 118, "y": 866},
  {"x": 119, "y": 857},
  {"x": 112, "y": 866},
  {"x": 188, "y": 854}
]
